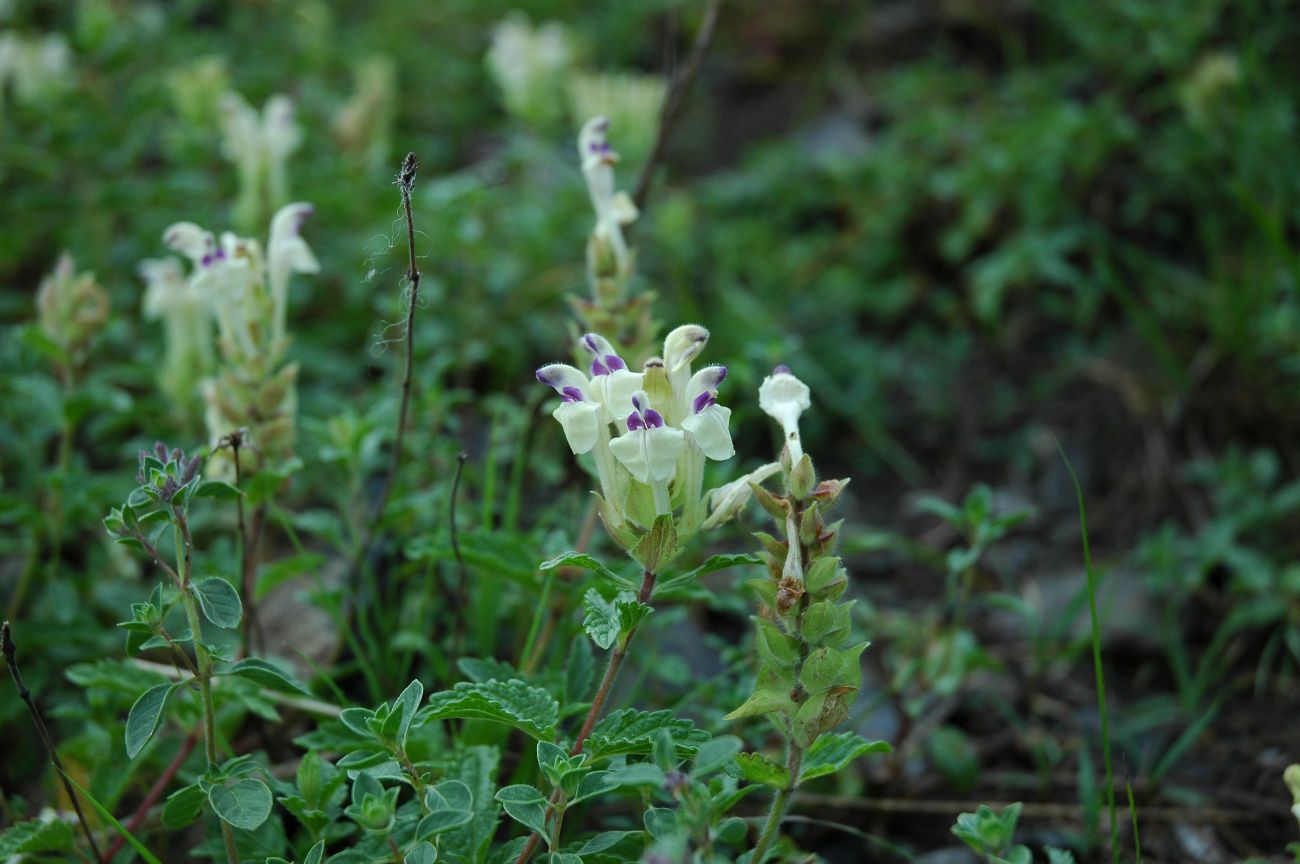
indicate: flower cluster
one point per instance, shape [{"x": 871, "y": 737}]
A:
[
  {"x": 260, "y": 147},
  {"x": 808, "y": 673},
  {"x": 650, "y": 432},
  {"x": 70, "y": 310},
  {"x": 608, "y": 256},
  {"x": 247, "y": 293},
  {"x": 530, "y": 65}
]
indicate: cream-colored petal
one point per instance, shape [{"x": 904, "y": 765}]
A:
[
  {"x": 709, "y": 428},
  {"x": 581, "y": 424}
]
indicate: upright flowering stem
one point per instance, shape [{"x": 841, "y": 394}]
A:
[
  {"x": 808, "y": 674},
  {"x": 616, "y": 657}
]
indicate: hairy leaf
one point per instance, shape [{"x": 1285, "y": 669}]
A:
[
  {"x": 529, "y": 709},
  {"x": 632, "y": 732}
]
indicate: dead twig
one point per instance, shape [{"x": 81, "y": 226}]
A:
[{"x": 11, "y": 660}]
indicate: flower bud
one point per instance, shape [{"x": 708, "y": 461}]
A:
[{"x": 802, "y": 478}]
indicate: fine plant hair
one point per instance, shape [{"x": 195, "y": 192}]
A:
[
  {"x": 9, "y": 651},
  {"x": 405, "y": 184}
]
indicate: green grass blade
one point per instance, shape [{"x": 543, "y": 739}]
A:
[
  {"x": 1096, "y": 657},
  {"x": 117, "y": 826},
  {"x": 1133, "y": 815}
]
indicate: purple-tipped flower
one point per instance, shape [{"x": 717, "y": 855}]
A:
[
  {"x": 707, "y": 421},
  {"x": 612, "y": 384},
  {"x": 579, "y": 415},
  {"x": 650, "y": 447}
]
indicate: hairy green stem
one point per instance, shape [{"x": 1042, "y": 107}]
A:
[
  {"x": 793, "y": 763},
  {"x": 184, "y": 563}
]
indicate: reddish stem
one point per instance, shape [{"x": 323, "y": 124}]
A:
[
  {"x": 597, "y": 705},
  {"x": 155, "y": 792}
]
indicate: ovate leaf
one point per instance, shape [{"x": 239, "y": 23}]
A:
[
  {"x": 682, "y": 582},
  {"x": 220, "y": 602},
  {"x": 244, "y": 803},
  {"x": 526, "y": 805},
  {"x": 632, "y": 732},
  {"x": 586, "y": 562},
  {"x": 183, "y": 806},
  {"x": 757, "y": 768},
  {"x": 145, "y": 717},
  {"x": 529, "y": 709},
  {"x": 830, "y": 753},
  {"x": 267, "y": 675}
]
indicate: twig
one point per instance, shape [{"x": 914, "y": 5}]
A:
[
  {"x": 405, "y": 183},
  {"x": 597, "y": 705},
  {"x": 247, "y": 550},
  {"x": 9, "y": 651},
  {"x": 155, "y": 792},
  {"x": 462, "y": 578},
  {"x": 676, "y": 95}
]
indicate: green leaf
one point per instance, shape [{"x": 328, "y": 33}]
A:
[
  {"x": 659, "y": 545},
  {"x": 830, "y": 753},
  {"x": 119, "y": 676},
  {"x": 606, "y": 840},
  {"x": 35, "y": 836},
  {"x": 607, "y": 622},
  {"x": 220, "y": 602},
  {"x": 757, "y": 768},
  {"x": 476, "y": 769},
  {"x": 632, "y": 732},
  {"x": 267, "y": 675},
  {"x": 145, "y": 717},
  {"x": 764, "y": 702},
  {"x": 404, "y": 708},
  {"x": 600, "y": 619},
  {"x": 680, "y": 583},
  {"x": 183, "y": 806},
  {"x": 421, "y": 853},
  {"x": 587, "y": 562},
  {"x": 715, "y": 754},
  {"x": 317, "y": 853},
  {"x": 218, "y": 489},
  {"x": 357, "y": 719},
  {"x": 529, "y": 709},
  {"x": 244, "y": 803},
  {"x": 526, "y": 805}
]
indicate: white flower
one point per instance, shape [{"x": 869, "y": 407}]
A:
[
  {"x": 612, "y": 383},
  {"x": 649, "y": 449},
  {"x": 579, "y": 415},
  {"x": 613, "y": 209},
  {"x": 530, "y": 65},
  {"x": 681, "y": 346},
  {"x": 706, "y": 420},
  {"x": 784, "y": 397},
  {"x": 728, "y": 500},
  {"x": 286, "y": 253}
]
